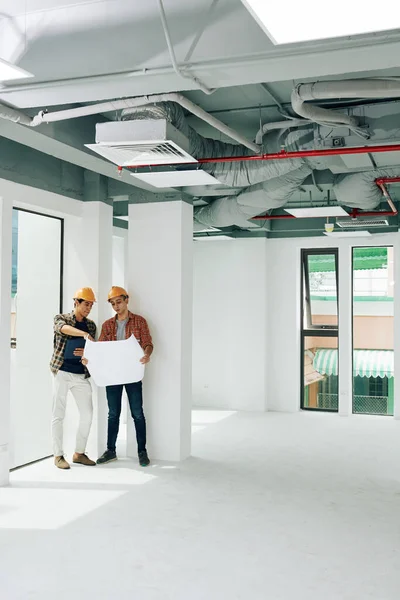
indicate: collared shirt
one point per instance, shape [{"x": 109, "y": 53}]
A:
[
  {"x": 136, "y": 325},
  {"x": 60, "y": 339}
]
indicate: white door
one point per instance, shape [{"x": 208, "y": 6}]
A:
[{"x": 39, "y": 240}]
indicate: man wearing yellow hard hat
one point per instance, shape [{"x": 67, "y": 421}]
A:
[
  {"x": 121, "y": 327},
  {"x": 70, "y": 375}
]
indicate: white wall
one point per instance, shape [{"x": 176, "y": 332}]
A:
[
  {"x": 119, "y": 256},
  {"x": 229, "y": 324},
  {"x": 246, "y": 337},
  {"x": 88, "y": 262},
  {"x": 120, "y": 277},
  {"x": 283, "y": 322}
]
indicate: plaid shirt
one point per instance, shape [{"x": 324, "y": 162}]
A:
[
  {"x": 60, "y": 339},
  {"x": 136, "y": 325}
]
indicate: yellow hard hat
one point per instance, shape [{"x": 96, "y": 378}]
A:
[
  {"x": 85, "y": 293},
  {"x": 117, "y": 291}
]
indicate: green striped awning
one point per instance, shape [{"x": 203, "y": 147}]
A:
[
  {"x": 363, "y": 258},
  {"x": 366, "y": 363}
]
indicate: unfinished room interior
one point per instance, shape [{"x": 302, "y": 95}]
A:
[{"x": 202, "y": 195}]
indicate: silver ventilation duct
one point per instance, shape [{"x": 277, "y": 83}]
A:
[{"x": 265, "y": 184}]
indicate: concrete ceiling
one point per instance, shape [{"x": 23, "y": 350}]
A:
[
  {"x": 83, "y": 51},
  {"x": 79, "y": 42}
]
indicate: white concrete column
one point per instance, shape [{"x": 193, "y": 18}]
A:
[
  {"x": 88, "y": 262},
  {"x": 345, "y": 331},
  {"x": 120, "y": 277},
  {"x": 5, "y": 334},
  {"x": 160, "y": 280}
]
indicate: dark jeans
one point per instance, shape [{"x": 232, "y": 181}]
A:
[{"x": 114, "y": 399}]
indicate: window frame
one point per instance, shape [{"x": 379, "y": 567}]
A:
[
  {"x": 309, "y": 330},
  {"x": 353, "y": 296},
  {"x": 306, "y": 286}
]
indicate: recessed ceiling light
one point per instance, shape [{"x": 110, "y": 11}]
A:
[
  {"x": 342, "y": 234},
  {"x": 318, "y": 211},
  {"x": 9, "y": 71},
  {"x": 215, "y": 238},
  {"x": 290, "y": 22},
  {"x": 166, "y": 179}
]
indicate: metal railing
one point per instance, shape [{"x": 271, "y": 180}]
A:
[
  {"x": 367, "y": 405},
  {"x": 370, "y": 405},
  {"x": 327, "y": 401}
]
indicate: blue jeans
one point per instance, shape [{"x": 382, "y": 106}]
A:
[{"x": 135, "y": 398}]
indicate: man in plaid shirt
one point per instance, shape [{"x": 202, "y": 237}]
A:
[
  {"x": 71, "y": 375},
  {"x": 121, "y": 327}
]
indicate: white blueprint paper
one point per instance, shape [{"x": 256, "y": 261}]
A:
[{"x": 114, "y": 363}]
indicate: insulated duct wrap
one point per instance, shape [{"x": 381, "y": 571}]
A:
[
  {"x": 234, "y": 174},
  {"x": 270, "y": 184},
  {"x": 255, "y": 199},
  {"x": 349, "y": 189},
  {"x": 266, "y": 184},
  {"x": 11, "y": 114}
]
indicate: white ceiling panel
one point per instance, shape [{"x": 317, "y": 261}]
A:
[
  {"x": 315, "y": 212},
  {"x": 175, "y": 179}
]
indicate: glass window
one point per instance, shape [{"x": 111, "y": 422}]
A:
[
  {"x": 320, "y": 371},
  {"x": 373, "y": 330},
  {"x": 320, "y": 288},
  {"x": 319, "y": 361}
]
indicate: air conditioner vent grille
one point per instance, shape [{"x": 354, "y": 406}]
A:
[
  {"x": 361, "y": 223},
  {"x": 142, "y": 153}
]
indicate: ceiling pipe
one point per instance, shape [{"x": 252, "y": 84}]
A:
[
  {"x": 283, "y": 155},
  {"x": 355, "y": 213},
  {"x": 11, "y": 114},
  {"x": 339, "y": 90},
  {"x": 280, "y": 125},
  {"x": 94, "y": 109}
]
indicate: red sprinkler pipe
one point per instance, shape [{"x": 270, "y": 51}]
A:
[
  {"x": 381, "y": 183},
  {"x": 283, "y": 155}
]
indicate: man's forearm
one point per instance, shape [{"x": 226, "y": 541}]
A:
[
  {"x": 148, "y": 350},
  {"x": 68, "y": 330}
]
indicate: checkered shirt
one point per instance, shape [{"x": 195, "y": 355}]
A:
[
  {"x": 60, "y": 339},
  {"x": 136, "y": 325}
]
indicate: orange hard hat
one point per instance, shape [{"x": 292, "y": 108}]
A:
[
  {"x": 117, "y": 291},
  {"x": 85, "y": 293}
]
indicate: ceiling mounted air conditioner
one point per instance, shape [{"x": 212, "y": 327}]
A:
[{"x": 141, "y": 143}]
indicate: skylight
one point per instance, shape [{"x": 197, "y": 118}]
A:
[{"x": 290, "y": 22}]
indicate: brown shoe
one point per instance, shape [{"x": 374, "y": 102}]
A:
[
  {"x": 61, "y": 463},
  {"x": 82, "y": 459}
]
